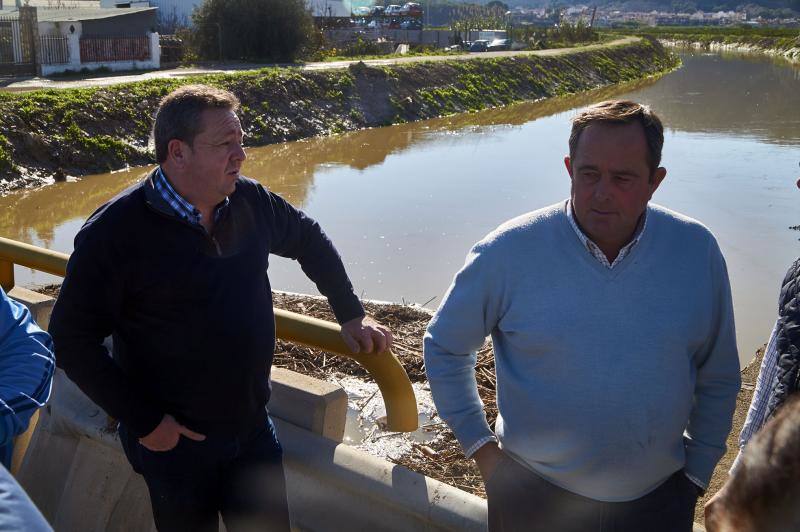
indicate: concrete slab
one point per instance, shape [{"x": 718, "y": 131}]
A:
[
  {"x": 40, "y": 305},
  {"x": 315, "y": 405}
]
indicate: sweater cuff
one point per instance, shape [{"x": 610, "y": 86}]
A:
[
  {"x": 699, "y": 466},
  {"x": 346, "y": 307},
  {"x": 697, "y": 482},
  {"x": 478, "y": 444}
]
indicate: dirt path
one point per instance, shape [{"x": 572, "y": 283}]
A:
[{"x": 32, "y": 84}]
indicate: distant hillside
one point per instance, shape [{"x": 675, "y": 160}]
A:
[{"x": 752, "y": 6}]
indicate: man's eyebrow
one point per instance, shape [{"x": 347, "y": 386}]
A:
[
  {"x": 623, "y": 172},
  {"x": 233, "y": 132}
]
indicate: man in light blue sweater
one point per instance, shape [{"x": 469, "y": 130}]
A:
[{"x": 614, "y": 344}]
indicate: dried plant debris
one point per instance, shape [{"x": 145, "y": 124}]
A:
[{"x": 440, "y": 456}]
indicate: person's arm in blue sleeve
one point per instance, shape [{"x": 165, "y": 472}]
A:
[
  {"x": 717, "y": 383},
  {"x": 26, "y": 368}
]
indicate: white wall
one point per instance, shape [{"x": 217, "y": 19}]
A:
[{"x": 76, "y": 65}]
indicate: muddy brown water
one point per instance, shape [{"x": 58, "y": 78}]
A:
[{"x": 405, "y": 203}]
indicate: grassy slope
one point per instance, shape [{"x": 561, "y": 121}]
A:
[{"x": 83, "y": 131}]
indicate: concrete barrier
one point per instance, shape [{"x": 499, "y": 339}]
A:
[
  {"x": 76, "y": 473},
  {"x": 314, "y": 405},
  {"x": 335, "y": 487}
]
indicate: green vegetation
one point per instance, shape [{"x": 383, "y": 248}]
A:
[
  {"x": 766, "y": 38},
  {"x": 265, "y": 30},
  {"x": 339, "y": 54},
  {"x": 82, "y": 131},
  {"x": 565, "y": 35},
  {"x": 6, "y": 163}
]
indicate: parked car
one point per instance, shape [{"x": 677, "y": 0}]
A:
[
  {"x": 412, "y": 9},
  {"x": 392, "y": 10},
  {"x": 377, "y": 11},
  {"x": 394, "y": 24},
  {"x": 499, "y": 44},
  {"x": 411, "y": 25},
  {"x": 481, "y": 45}
]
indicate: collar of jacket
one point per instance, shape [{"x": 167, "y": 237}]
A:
[{"x": 154, "y": 200}]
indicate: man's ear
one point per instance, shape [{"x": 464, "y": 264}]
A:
[
  {"x": 658, "y": 177},
  {"x": 176, "y": 151},
  {"x": 568, "y": 164}
]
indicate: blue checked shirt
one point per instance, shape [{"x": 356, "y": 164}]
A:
[
  {"x": 767, "y": 377},
  {"x": 183, "y": 208}
]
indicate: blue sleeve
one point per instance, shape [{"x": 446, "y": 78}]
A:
[
  {"x": 26, "y": 368},
  {"x": 17, "y": 511},
  {"x": 469, "y": 312},
  {"x": 717, "y": 383}
]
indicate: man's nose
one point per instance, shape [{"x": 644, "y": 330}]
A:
[
  {"x": 602, "y": 189},
  {"x": 240, "y": 154}
]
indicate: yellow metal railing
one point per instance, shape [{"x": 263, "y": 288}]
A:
[{"x": 391, "y": 378}]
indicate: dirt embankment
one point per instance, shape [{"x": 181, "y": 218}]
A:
[
  {"x": 51, "y": 134},
  {"x": 786, "y": 49}
]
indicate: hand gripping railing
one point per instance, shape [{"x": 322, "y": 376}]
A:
[{"x": 398, "y": 396}]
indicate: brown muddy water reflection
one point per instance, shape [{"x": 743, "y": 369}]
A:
[{"x": 405, "y": 203}]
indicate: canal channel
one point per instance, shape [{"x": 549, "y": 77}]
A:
[{"x": 405, "y": 203}]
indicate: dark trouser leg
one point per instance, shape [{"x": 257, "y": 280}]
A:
[
  {"x": 255, "y": 485},
  {"x": 668, "y": 508},
  {"x": 183, "y": 484},
  {"x": 518, "y": 499}
]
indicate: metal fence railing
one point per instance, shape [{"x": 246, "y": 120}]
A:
[
  {"x": 96, "y": 49},
  {"x": 17, "y": 42},
  {"x": 53, "y": 50}
]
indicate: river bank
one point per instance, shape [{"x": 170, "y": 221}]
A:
[
  {"x": 720, "y": 44},
  {"x": 53, "y": 134}
]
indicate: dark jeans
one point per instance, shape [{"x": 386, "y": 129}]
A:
[
  {"x": 240, "y": 477},
  {"x": 519, "y": 499}
]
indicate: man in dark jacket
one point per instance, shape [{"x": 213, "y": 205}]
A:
[{"x": 175, "y": 269}]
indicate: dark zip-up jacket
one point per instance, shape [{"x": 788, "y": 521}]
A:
[
  {"x": 788, "y": 340},
  {"x": 190, "y": 312}
]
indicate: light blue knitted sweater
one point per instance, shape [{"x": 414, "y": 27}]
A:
[{"x": 608, "y": 380}]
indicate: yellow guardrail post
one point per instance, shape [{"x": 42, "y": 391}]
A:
[
  {"x": 6, "y": 275},
  {"x": 391, "y": 378}
]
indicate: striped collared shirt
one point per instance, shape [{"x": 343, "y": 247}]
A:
[
  {"x": 765, "y": 384},
  {"x": 595, "y": 250},
  {"x": 182, "y": 208}
]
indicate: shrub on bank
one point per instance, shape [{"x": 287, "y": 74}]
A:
[{"x": 260, "y": 30}]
